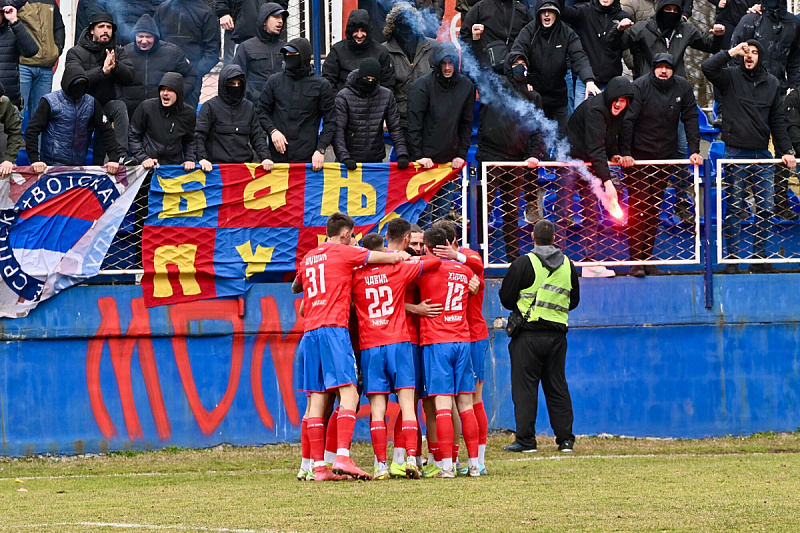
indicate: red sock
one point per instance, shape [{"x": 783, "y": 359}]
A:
[
  {"x": 316, "y": 438},
  {"x": 347, "y": 422},
  {"x": 469, "y": 427},
  {"x": 483, "y": 422},
  {"x": 433, "y": 447},
  {"x": 331, "y": 431},
  {"x": 419, "y": 440},
  {"x": 456, "y": 447},
  {"x": 444, "y": 429},
  {"x": 399, "y": 441},
  {"x": 377, "y": 429},
  {"x": 304, "y": 442},
  {"x": 410, "y": 430}
]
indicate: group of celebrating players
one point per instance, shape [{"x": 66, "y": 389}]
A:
[{"x": 421, "y": 335}]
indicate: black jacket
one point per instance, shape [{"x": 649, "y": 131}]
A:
[
  {"x": 497, "y": 17},
  {"x": 733, "y": 11},
  {"x": 227, "y": 129},
  {"x": 245, "y": 16},
  {"x": 779, "y": 33},
  {"x": 260, "y": 57},
  {"x": 192, "y": 27},
  {"x": 440, "y": 111},
  {"x": 752, "y": 103},
  {"x": 126, "y": 14},
  {"x": 164, "y": 133},
  {"x": 651, "y": 123},
  {"x": 359, "y": 123},
  {"x": 91, "y": 56},
  {"x": 594, "y": 22},
  {"x": 150, "y": 66},
  {"x": 545, "y": 51},
  {"x": 293, "y": 103},
  {"x": 645, "y": 40},
  {"x": 791, "y": 109},
  {"x": 15, "y": 41},
  {"x": 346, "y": 55},
  {"x": 593, "y": 130}
]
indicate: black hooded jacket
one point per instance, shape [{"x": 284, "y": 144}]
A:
[
  {"x": 15, "y": 41},
  {"x": 594, "y": 22},
  {"x": 245, "y": 15},
  {"x": 497, "y": 17},
  {"x": 440, "y": 111},
  {"x": 260, "y": 57},
  {"x": 791, "y": 109},
  {"x": 346, "y": 55},
  {"x": 593, "y": 130},
  {"x": 359, "y": 123},
  {"x": 545, "y": 51},
  {"x": 227, "y": 128},
  {"x": 778, "y": 31},
  {"x": 293, "y": 103},
  {"x": 752, "y": 102},
  {"x": 150, "y": 66},
  {"x": 501, "y": 134},
  {"x": 91, "y": 56},
  {"x": 164, "y": 133},
  {"x": 12, "y": 126},
  {"x": 192, "y": 27},
  {"x": 651, "y": 123},
  {"x": 645, "y": 39}
]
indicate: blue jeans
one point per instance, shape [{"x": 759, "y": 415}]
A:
[
  {"x": 34, "y": 83},
  {"x": 580, "y": 90},
  {"x": 569, "y": 182},
  {"x": 735, "y": 183}
]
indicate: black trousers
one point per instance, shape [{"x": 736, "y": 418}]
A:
[{"x": 540, "y": 358}]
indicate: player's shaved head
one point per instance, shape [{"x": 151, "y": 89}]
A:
[
  {"x": 373, "y": 242},
  {"x": 449, "y": 229},
  {"x": 435, "y": 237},
  {"x": 397, "y": 229},
  {"x": 338, "y": 222}
]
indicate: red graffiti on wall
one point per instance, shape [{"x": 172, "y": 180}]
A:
[{"x": 138, "y": 336}]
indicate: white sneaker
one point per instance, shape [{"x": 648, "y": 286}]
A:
[{"x": 597, "y": 272}]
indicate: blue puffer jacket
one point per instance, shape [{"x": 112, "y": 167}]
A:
[{"x": 65, "y": 140}]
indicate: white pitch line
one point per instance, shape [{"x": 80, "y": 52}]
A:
[
  {"x": 144, "y": 474},
  {"x": 153, "y": 527}
]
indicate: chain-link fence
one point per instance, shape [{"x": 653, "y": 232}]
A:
[
  {"x": 757, "y": 207},
  {"x": 658, "y": 224}
]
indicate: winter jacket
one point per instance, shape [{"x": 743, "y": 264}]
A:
[
  {"x": 245, "y": 15},
  {"x": 752, "y": 103},
  {"x": 260, "y": 57},
  {"x": 164, "y": 133},
  {"x": 651, "y": 123},
  {"x": 502, "y": 136},
  {"x": 194, "y": 28},
  {"x": 91, "y": 56},
  {"x": 346, "y": 55},
  {"x": 66, "y": 125},
  {"x": 293, "y": 103},
  {"x": 12, "y": 126},
  {"x": 733, "y": 11},
  {"x": 645, "y": 40},
  {"x": 126, "y": 15},
  {"x": 779, "y": 32},
  {"x": 15, "y": 41},
  {"x": 791, "y": 109},
  {"x": 545, "y": 51},
  {"x": 227, "y": 128},
  {"x": 644, "y": 9},
  {"x": 592, "y": 129},
  {"x": 151, "y": 65},
  {"x": 42, "y": 18},
  {"x": 440, "y": 111},
  {"x": 594, "y": 22},
  {"x": 359, "y": 123},
  {"x": 497, "y": 17}
]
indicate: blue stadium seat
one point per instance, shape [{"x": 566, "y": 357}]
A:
[{"x": 707, "y": 131}]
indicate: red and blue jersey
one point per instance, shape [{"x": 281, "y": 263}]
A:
[
  {"x": 477, "y": 324},
  {"x": 449, "y": 286}
]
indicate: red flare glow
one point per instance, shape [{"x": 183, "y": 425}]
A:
[{"x": 614, "y": 209}]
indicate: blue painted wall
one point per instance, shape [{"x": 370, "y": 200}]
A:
[{"x": 645, "y": 358}]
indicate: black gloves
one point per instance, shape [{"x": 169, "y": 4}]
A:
[
  {"x": 350, "y": 164},
  {"x": 402, "y": 162}
]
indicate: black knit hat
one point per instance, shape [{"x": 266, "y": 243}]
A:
[
  {"x": 369, "y": 67},
  {"x": 102, "y": 16}
]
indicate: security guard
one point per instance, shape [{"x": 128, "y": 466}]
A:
[{"x": 540, "y": 289}]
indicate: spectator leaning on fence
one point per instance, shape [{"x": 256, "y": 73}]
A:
[
  {"x": 227, "y": 126},
  {"x": 260, "y": 57},
  {"x": 791, "y": 108},
  {"x": 660, "y": 101},
  {"x": 12, "y": 127},
  {"x": 751, "y": 97}
]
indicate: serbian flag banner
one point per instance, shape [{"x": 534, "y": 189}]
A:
[
  {"x": 213, "y": 234},
  {"x": 56, "y": 228}
]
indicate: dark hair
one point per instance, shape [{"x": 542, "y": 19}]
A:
[
  {"x": 397, "y": 229},
  {"x": 543, "y": 232},
  {"x": 373, "y": 241},
  {"x": 435, "y": 237},
  {"x": 416, "y": 229},
  {"x": 337, "y": 222},
  {"x": 449, "y": 229}
]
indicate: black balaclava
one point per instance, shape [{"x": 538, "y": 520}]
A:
[
  {"x": 298, "y": 65},
  {"x": 519, "y": 72},
  {"x": 236, "y": 92},
  {"x": 667, "y": 22},
  {"x": 77, "y": 88},
  {"x": 368, "y": 67},
  {"x": 663, "y": 59}
]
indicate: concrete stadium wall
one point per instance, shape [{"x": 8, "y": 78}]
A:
[{"x": 94, "y": 370}]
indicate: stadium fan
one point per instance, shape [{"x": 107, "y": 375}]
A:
[
  {"x": 12, "y": 126},
  {"x": 328, "y": 359},
  {"x": 260, "y": 57}
]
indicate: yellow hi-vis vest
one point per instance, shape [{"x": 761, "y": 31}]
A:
[{"x": 549, "y": 294}]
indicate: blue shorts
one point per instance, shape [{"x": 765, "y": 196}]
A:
[
  {"x": 479, "y": 349},
  {"x": 419, "y": 370},
  {"x": 388, "y": 368},
  {"x": 448, "y": 369},
  {"x": 328, "y": 359}
]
